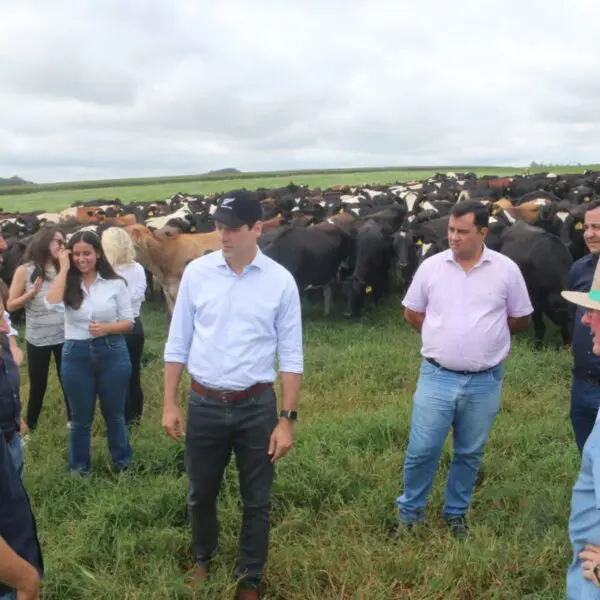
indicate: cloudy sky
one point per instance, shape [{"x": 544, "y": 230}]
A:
[{"x": 94, "y": 89}]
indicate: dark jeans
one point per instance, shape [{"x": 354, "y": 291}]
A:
[
  {"x": 97, "y": 366},
  {"x": 135, "y": 396},
  {"x": 214, "y": 429},
  {"x": 585, "y": 401},
  {"x": 38, "y": 365}
]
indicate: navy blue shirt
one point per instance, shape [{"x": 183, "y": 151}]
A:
[
  {"x": 17, "y": 523},
  {"x": 585, "y": 363},
  {"x": 10, "y": 402}
]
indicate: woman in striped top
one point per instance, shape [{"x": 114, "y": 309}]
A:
[{"x": 44, "y": 329}]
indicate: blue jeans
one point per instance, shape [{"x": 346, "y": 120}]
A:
[
  {"x": 584, "y": 520},
  {"x": 9, "y": 596},
  {"x": 467, "y": 403},
  {"x": 15, "y": 449},
  {"x": 97, "y": 366},
  {"x": 585, "y": 401}
]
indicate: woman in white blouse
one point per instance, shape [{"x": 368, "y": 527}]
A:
[
  {"x": 119, "y": 250},
  {"x": 95, "y": 360}
]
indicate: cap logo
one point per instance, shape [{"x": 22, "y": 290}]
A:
[{"x": 226, "y": 202}]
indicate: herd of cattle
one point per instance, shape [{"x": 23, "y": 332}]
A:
[{"x": 355, "y": 242}]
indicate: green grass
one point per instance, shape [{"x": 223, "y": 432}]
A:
[
  {"x": 54, "y": 197},
  {"x": 126, "y": 537}
]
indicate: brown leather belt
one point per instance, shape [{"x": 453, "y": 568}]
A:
[{"x": 230, "y": 395}]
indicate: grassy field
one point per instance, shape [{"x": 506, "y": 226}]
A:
[
  {"x": 126, "y": 537},
  {"x": 59, "y": 198}
]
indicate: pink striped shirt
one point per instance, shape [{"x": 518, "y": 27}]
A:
[{"x": 465, "y": 325}]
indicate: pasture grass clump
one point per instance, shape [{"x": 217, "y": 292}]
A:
[{"x": 126, "y": 536}]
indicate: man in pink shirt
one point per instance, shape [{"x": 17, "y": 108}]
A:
[{"x": 466, "y": 302}]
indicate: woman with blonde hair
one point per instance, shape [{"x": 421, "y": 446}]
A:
[{"x": 120, "y": 252}]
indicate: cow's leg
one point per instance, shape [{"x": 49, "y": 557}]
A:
[
  {"x": 327, "y": 296},
  {"x": 539, "y": 327}
]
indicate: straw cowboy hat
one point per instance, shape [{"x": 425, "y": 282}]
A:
[{"x": 589, "y": 299}]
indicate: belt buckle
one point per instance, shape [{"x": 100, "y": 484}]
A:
[{"x": 227, "y": 394}]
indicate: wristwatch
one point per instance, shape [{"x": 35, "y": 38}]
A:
[{"x": 292, "y": 415}]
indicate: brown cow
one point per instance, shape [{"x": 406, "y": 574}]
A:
[
  {"x": 528, "y": 211},
  {"x": 167, "y": 256}
]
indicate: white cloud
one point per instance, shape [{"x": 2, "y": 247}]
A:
[{"x": 109, "y": 88}]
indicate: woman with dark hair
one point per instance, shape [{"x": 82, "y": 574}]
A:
[
  {"x": 44, "y": 329},
  {"x": 97, "y": 310}
]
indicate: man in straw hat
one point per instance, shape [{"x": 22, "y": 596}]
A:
[{"x": 583, "y": 575}]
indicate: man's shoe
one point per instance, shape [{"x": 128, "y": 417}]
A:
[
  {"x": 399, "y": 531},
  {"x": 199, "y": 574},
  {"x": 247, "y": 591},
  {"x": 458, "y": 527}
]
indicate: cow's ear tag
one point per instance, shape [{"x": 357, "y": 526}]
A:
[
  {"x": 579, "y": 226},
  {"x": 368, "y": 289}
]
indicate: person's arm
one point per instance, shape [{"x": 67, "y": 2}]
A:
[
  {"x": 288, "y": 325},
  {"x": 137, "y": 287},
  {"x": 177, "y": 349},
  {"x": 415, "y": 300},
  {"x": 56, "y": 293},
  {"x": 518, "y": 304},
  {"x": 18, "y": 296},
  {"x": 18, "y": 574}
]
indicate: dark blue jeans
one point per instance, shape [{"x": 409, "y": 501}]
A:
[
  {"x": 585, "y": 401},
  {"x": 98, "y": 366},
  {"x": 214, "y": 429}
]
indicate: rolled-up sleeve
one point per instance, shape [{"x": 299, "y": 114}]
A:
[
  {"x": 13, "y": 332},
  {"x": 181, "y": 329},
  {"x": 416, "y": 296},
  {"x": 58, "y": 307},
  {"x": 288, "y": 325},
  {"x": 124, "y": 310}
]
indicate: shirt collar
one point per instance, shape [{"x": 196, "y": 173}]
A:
[
  {"x": 257, "y": 263},
  {"x": 486, "y": 256},
  {"x": 98, "y": 278}
]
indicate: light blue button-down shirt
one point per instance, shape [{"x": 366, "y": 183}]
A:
[
  {"x": 107, "y": 301},
  {"x": 227, "y": 328},
  {"x": 584, "y": 523}
]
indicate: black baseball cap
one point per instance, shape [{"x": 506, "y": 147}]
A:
[{"x": 237, "y": 208}]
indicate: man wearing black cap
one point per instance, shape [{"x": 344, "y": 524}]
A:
[{"x": 236, "y": 308}]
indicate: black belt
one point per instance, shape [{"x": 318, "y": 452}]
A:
[{"x": 435, "y": 363}]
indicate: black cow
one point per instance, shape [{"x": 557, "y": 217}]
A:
[
  {"x": 544, "y": 261},
  {"x": 371, "y": 261},
  {"x": 312, "y": 255}
]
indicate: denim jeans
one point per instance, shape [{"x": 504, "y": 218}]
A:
[
  {"x": 585, "y": 401},
  {"x": 584, "y": 520},
  {"x": 467, "y": 403},
  {"x": 15, "y": 449},
  {"x": 97, "y": 366},
  {"x": 9, "y": 596},
  {"x": 214, "y": 429}
]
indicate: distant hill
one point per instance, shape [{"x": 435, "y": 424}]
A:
[
  {"x": 15, "y": 180},
  {"x": 227, "y": 170}
]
